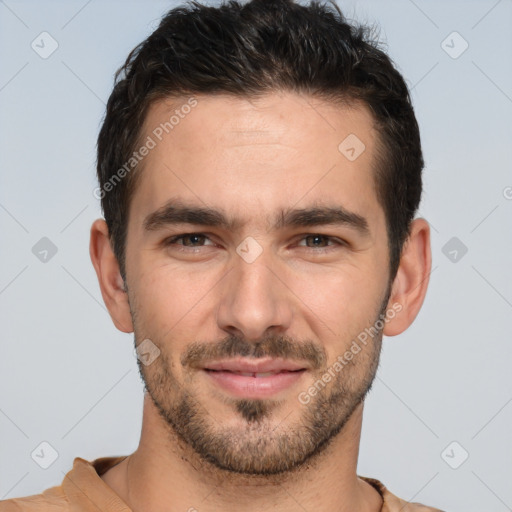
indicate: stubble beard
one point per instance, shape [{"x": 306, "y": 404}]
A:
[{"x": 262, "y": 446}]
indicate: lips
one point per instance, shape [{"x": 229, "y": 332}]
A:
[
  {"x": 250, "y": 374},
  {"x": 258, "y": 368},
  {"x": 258, "y": 379},
  {"x": 253, "y": 374}
]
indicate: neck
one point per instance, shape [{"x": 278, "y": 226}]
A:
[{"x": 166, "y": 474}]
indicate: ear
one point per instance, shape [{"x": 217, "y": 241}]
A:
[
  {"x": 109, "y": 277},
  {"x": 411, "y": 281}
]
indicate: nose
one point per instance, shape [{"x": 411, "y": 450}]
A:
[{"x": 255, "y": 300}]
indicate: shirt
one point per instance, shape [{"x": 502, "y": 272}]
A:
[{"x": 82, "y": 490}]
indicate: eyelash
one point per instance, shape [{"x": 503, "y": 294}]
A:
[{"x": 336, "y": 241}]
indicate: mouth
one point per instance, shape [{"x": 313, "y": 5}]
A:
[
  {"x": 254, "y": 379},
  {"x": 259, "y": 366},
  {"x": 255, "y": 374}
]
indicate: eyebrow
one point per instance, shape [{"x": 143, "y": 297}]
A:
[{"x": 176, "y": 212}]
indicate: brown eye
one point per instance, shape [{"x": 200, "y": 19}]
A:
[
  {"x": 193, "y": 239},
  {"x": 189, "y": 240},
  {"x": 318, "y": 241}
]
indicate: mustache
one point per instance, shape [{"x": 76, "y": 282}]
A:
[{"x": 200, "y": 353}]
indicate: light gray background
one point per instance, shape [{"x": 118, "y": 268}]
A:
[{"x": 70, "y": 379}]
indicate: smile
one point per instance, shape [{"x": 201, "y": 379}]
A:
[{"x": 254, "y": 384}]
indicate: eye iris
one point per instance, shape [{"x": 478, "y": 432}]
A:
[
  {"x": 194, "y": 239},
  {"x": 315, "y": 239}
]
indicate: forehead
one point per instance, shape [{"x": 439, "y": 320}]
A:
[{"x": 257, "y": 155}]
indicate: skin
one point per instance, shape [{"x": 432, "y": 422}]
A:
[{"x": 304, "y": 298}]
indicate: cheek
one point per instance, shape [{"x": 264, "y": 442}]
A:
[
  {"x": 171, "y": 301},
  {"x": 343, "y": 299}
]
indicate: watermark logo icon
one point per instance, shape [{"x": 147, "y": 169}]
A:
[
  {"x": 249, "y": 250},
  {"x": 147, "y": 352},
  {"x": 44, "y": 250},
  {"x": 44, "y": 45},
  {"x": 351, "y": 147},
  {"x": 454, "y": 45},
  {"x": 454, "y": 249},
  {"x": 44, "y": 455},
  {"x": 454, "y": 455}
]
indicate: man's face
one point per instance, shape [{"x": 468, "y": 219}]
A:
[{"x": 298, "y": 270}]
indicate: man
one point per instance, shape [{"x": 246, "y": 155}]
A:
[{"x": 260, "y": 169}]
